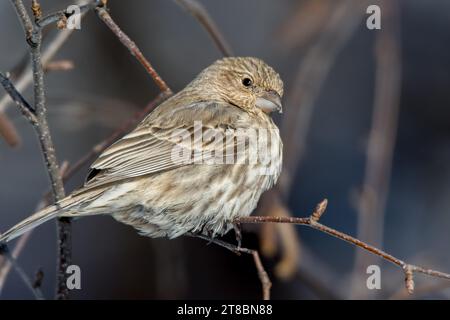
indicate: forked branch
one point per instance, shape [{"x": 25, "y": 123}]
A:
[{"x": 313, "y": 222}]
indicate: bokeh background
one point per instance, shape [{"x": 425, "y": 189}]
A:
[{"x": 334, "y": 69}]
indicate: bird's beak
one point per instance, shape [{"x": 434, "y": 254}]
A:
[{"x": 269, "y": 101}]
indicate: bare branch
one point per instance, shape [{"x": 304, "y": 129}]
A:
[
  {"x": 133, "y": 48},
  {"x": 5, "y": 264},
  {"x": 27, "y": 24},
  {"x": 312, "y": 73},
  {"x": 408, "y": 269},
  {"x": 59, "y": 65},
  {"x": 19, "y": 100},
  {"x": 198, "y": 11}
]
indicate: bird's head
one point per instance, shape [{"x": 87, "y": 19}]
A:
[{"x": 246, "y": 82}]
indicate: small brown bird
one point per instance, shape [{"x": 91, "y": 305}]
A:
[{"x": 192, "y": 165}]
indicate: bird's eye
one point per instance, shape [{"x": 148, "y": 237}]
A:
[{"x": 247, "y": 82}]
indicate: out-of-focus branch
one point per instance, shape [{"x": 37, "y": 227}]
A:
[
  {"x": 380, "y": 149},
  {"x": 198, "y": 11},
  {"x": 4, "y": 251},
  {"x": 5, "y": 264},
  {"x": 313, "y": 222},
  {"x": 311, "y": 75},
  {"x": 63, "y": 15},
  {"x": 59, "y": 65},
  {"x": 305, "y": 23},
  {"x": 8, "y": 131},
  {"x": 341, "y": 23}
]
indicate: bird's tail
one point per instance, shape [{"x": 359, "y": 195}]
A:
[{"x": 38, "y": 218}]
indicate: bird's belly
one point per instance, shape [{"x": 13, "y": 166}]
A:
[{"x": 205, "y": 199}]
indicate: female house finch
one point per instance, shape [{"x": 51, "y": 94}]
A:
[{"x": 142, "y": 181}]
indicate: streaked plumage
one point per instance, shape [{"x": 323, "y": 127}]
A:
[{"x": 139, "y": 182}]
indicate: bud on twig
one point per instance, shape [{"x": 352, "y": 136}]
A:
[{"x": 320, "y": 209}]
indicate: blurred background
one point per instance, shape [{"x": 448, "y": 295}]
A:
[{"x": 366, "y": 125}]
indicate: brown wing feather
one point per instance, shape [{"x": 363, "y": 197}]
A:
[{"x": 149, "y": 148}]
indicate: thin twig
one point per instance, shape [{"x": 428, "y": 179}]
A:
[
  {"x": 59, "y": 65},
  {"x": 198, "y": 11},
  {"x": 262, "y": 274},
  {"x": 312, "y": 222},
  {"x": 24, "y": 18},
  {"x": 132, "y": 47},
  {"x": 23, "y": 275},
  {"x": 5, "y": 265},
  {"x": 27, "y": 110},
  {"x": 55, "y": 17}
]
